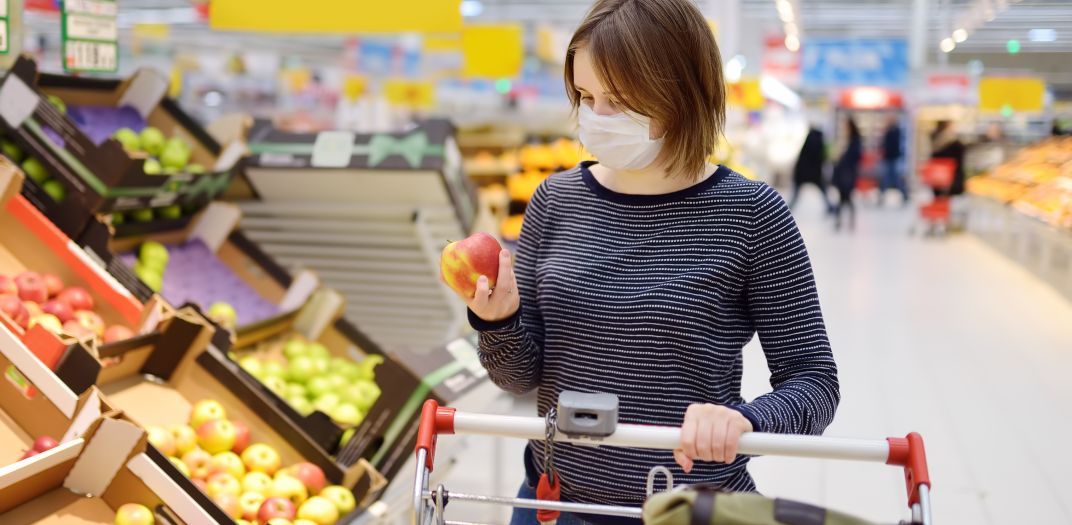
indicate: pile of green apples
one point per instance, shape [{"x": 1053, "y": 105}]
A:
[
  {"x": 166, "y": 156},
  {"x": 247, "y": 480},
  {"x": 309, "y": 379},
  {"x": 152, "y": 262},
  {"x": 34, "y": 170}
]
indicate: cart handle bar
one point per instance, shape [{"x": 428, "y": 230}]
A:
[{"x": 907, "y": 452}]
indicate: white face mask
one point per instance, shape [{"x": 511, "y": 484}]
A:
[{"x": 620, "y": 142}]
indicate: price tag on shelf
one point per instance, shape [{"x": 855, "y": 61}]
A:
[
  {"x": 5, "y": 45},
  {"x": 90, "y": 35}
]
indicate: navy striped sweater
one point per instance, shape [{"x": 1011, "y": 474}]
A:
[{"x": 653, "y": 298}]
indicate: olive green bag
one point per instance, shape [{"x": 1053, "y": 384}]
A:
[{"x": 700, "y": 506}]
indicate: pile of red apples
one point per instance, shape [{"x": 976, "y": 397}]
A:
[{"x": 30, "y": 299}]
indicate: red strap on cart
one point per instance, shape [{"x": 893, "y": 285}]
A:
[{"x": 548, "y": 490}]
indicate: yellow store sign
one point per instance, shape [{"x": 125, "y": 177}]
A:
[{"x": 336, "y": 16}]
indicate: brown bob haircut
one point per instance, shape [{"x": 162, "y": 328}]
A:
[{"x": 658, "y": 58}]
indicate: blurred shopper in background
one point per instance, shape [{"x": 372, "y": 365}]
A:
[
  {"x": 945, "y": 144},
  {"x": 892, "y": 157},
  {"x": 809, "y": 167},
  {"x": 847, "y": 173}
]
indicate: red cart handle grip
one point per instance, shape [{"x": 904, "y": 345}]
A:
[
  {"x": 435, "y": 420},
  {"x": 908, "y": 452}
]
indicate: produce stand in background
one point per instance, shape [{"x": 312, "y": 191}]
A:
[{"x": 370, "y": 214}]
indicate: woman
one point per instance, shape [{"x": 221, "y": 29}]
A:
[
  {"x": 945, "y": 144},
  {"x": 645, "y": 274},
  {"x": 847, "y": 172},
  {"x": 809, "y": 167}
]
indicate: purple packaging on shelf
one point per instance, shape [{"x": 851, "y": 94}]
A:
[{"x": 101, "y": 122}]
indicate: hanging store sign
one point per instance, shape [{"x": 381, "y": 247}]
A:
[
  {"x": 838, "y": 62},
  {"x": 337, "y": 16},
  {"x": 492, "y": 50},
  {"x": 1016, "y": 94},
  {"x": 90, "y": 36}
]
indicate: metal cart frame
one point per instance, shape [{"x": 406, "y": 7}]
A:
[{"x": 428, "y": 505}]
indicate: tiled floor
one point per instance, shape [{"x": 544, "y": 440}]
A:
[{"x": 943, "y": 337}]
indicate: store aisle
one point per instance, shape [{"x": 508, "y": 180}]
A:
[{"x": 939, "y": 336}]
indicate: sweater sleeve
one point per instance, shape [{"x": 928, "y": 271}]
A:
[
  {"x": 512, "y": 349},
  {"x": 784, "y": 306}
]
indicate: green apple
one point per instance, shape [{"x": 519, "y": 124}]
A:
[
  {"x": 128, "y": 138},
  {"x": 337, "y": 382},
  {"x": 321, "y": 364},
  {"x": 274, "y": 369},
  {"x": 319, "y": 350},
  {"x": 152, "y": 140},
  {"x": 170, "y": 212},
  {"x": 175, "y": 157},
  {"x": 153, "y": 254},
  {"x": 145, "y": 215},
  {"x": 150, "y": 277},
  {"x": 58, "y": 103},
  {"x": 295, "y": 390},
  {"x": 195, "y": 169},
  {"x": 367, "y": 366},
  {"x": 344, "y": 367},
  {"x": 295, "y": 348},
  {"x": 318, "y": 386},
  {"x": 347, "y": 436},
  {"x": 118, "y": 218},
  {"x": 55, "y": 190},
  {"x": 347, "y": 413},
  {"x": 301, "y": 369},
  {"x": 318, "y": 510},
  {"x": 11, "y": 150},
  {"x": 327, "y": 403},
  {"x": 300, "y": 404},
  {"x": 252, "y": 365},
  {"x": 341, "y": 497},
  {"x": 177, "y": 143},
  {"x": 35, "y": 170},
  {"x": 224, "y": 314},
  {"x": 277, "y": 385},
  {"x": 363, "y": 394},
  {"x": 152, "y": 167}
]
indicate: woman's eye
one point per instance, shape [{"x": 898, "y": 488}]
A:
[{"x": 586, "y": 99}]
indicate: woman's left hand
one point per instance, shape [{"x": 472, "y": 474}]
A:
[{"x": 710, "y": 433}]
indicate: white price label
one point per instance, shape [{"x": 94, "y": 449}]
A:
[
  {"x": 84, "y": 27},
  {"x": 91, "y": 7},
  {"x": 3, "y": 8},
  {"x": 90, "y": 56},
  {"x": 3, "y": 36}
]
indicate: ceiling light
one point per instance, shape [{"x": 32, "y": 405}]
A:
[
  {"x": 960, "y": 35},
  {"x": 1042, "y": 35},
  {"x": 472, "y": 8},
  {"x": 785, "y": 10},
  {"x": 948, "y": 45},
  {"x": 791, "y": 29},
  {"x": 792, "y": 43}
]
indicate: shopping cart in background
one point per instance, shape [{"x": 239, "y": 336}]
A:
[
  {"x": 589, "y": 419},
  {"x": 937, "y": 174}
]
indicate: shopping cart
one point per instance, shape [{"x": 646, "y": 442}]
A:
[
  {"x": 937, "y": 174},
  {"x": 589, "y": 425}
]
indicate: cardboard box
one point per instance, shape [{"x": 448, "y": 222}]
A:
[
  {"x": 84, "y": 481},
  {"x": 213, "y": 231},
  {"x": 102, "y": 176},
  {"x": 165, "y": 397},
  {"x": 28, "y": 241}
]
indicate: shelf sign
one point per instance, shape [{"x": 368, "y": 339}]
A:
[
  {"x": 336, "y": 16},
  {"x": 1018, "y": 94},
  {"x": 90, "y": 36},
  {"x": 5, "y": 26}
]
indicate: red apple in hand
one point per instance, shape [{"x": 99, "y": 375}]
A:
[
  {"x": 31, "y": 287},
  {"x": 53, "y": 284},
  {"x": 90, "y": 320},
  {"x": 276, "y": 508},
  {"x": 117, "y": 332},
  {"x": 463, "y": 262},
  {"x": 59, "y": 309},
  {"x": 8, "y": 286},
  {"x": 13, "y": 307},
  {"x": 77, "y": 297}
]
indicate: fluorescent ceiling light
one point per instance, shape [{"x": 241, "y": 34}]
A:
[
  {"x": 1042, "y": 35},
  {"x": 472, "y": 8},
  {"x": 960, "y": 35}
]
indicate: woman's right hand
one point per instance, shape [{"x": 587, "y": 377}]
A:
[{"x": 500, "y": 303}]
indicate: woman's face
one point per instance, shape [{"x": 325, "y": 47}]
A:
[{"x": 593, "y": 94}]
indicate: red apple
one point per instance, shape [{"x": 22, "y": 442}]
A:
[
  {"x": 8, "y": 286},
  {"x": 48, "y": 321},
  {"x": 31, "y": 287},
  {"x": 77, "y": 331},
  {"x": 216, "y": 436},
  {"x": 77, "y": 297},
  {"x": 43, "y": 443},
  {"x": 29, "y": 454},
  {"x": 223, "y": 483},
  {"x": 160, "y": 438},
  {"x": 200, "y": 484},
  {"x": 241, "y": 437},
  {"x": 284, "y": 486},
  {"x": 59, "y": 309},
  {"x": 464, "y": 261},
  {"x": 117, "y": 332},
  {"x": 276, "y": 508},
  {"x": 251, "y": 504},
  {"x": 14, "y": 308},
  {"x": 185, "y": 438},
  {"x": 310, "y": 475},
  {"x": 259, "y": 457},
  {"x": 90, "y": 320},
  {"x": 229, "y": 504},
  {"x": 199, "y": 462},
  {"x": 53, "y": 284}
]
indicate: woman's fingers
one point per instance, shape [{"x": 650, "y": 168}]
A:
[
  {"x": 504, "y": 283},
  {"x": 480, "y": 300},
  {"x": 683, "y": 460},
  {"x": 688, "y": 438},
  {"x": 705, "y": 435},
  {"x": 719, "y": 429},
  {"x": 733, "y": 439}
]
